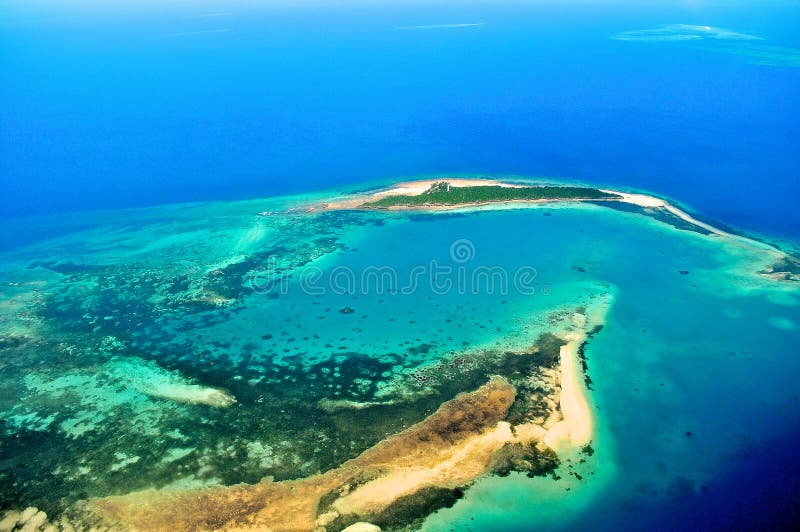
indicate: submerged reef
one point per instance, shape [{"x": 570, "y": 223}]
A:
[
  {"x": 496, "y": 428},
  {"x": 402, "y": 478},
  {"x": 784, "y": 269},
  {"x": 98, "y": 396},
  {"x": 31, "y": 519},
  {"x": 161, "y": 394},
  {"x": 117, "y": 385},
  {"x": 658, "y": 213},
  {"x": 476, "y": 413}
]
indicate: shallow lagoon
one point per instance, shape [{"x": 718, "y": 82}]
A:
[{"x": 693, "y": 370}]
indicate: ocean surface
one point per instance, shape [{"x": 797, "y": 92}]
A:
[
  {"x": 121, "y": 104},
  {"x": 138, "y": 143}
]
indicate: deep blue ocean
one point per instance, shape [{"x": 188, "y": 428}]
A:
[{"x": 106, "y": 105}]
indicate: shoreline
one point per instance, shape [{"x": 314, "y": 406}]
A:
[
  {"x": 788, "y": 266},
  {"x": 578, "y": 426},
  {"x": 414, "y": 188}
]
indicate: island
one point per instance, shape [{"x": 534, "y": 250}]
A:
[
  {"x": 365, "y": 437},
  {"x": 443, "y": 193},
  {"x": 448, "y": 193}
]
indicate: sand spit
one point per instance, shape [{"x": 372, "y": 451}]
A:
[
  {"x": 402, "y": 478},
  {"x": 577, "y": 426},
  {"x": 150, "y": 379},
  {"x": 643, "y": 200},
  {"x": 781, "y": 266}
]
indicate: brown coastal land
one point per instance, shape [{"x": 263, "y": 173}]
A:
[{"x": 521, "y": 420}]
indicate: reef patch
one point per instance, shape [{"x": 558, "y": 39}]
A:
[{"x": 497, "y": 428}]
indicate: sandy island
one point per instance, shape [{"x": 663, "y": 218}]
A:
[
  {"x": 577, "y": 426},
  {"x": 415, "y": 188},
  {"x": 409, "y": 188}
]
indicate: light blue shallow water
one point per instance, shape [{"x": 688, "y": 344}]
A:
[
  {"x": 693, "y": 373},
  {"x": 104, "y": 107},
  {"x": 694, "y": 377}
]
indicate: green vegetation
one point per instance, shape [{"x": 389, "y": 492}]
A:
[{"x": 441, "y": 193}]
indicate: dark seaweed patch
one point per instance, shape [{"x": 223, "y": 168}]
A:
[
  {"x": 582, "y": 355},
  {"x": 407, "y": 513},
  {"x": 421, "y": 349},
  {"x": 787, "y": 269},
  {"x": 12, "y": 341},
  {"x": 659, "y": 213},
  {"x": 284, "y": 407},
  {"x": 526, "y": 458},
  {"x": 548, "y": 349},
  {"x": 432, "y": 217}
]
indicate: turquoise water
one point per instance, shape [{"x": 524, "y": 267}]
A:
[
  {"x": 116, "y": 331},
  {"x": 693, "y": 375},
  {"x": 202, "y": 344}
]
